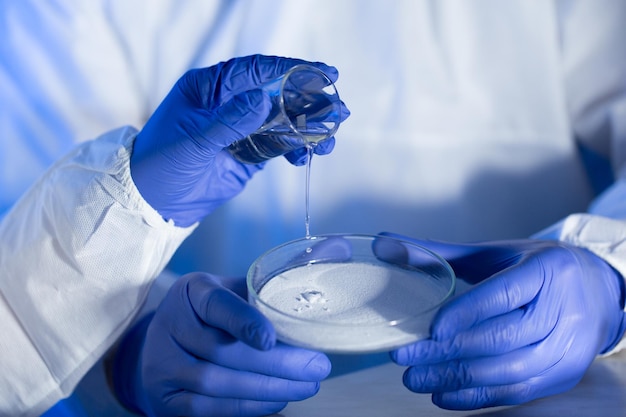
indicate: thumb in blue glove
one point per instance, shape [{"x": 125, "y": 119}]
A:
[
  {"x": 178, "y": 163},
  {"x": 206, "y": 351},
  {"x": 539, "y": 315}
]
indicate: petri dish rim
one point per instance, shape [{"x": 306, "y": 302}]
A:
[{"x": 254, "y": 295}]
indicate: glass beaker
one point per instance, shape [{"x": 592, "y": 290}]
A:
[{"x": 306, "y": 110}]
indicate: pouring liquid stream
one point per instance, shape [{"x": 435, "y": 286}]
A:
[{"x": 307, "y": 192}]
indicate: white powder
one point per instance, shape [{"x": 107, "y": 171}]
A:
[{"x": 351, "y": 307}]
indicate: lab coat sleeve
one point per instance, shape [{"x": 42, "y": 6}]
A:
[
  {"x": 78, "y": 253},
  {"x": 604, "y": 236},
  {"x": 594, "y": 68},
  {"x": 602, "y": 230}
]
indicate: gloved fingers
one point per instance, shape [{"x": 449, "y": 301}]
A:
[
  {"x": 345, "y": 112},
  {"x": 229, "y": 317},
  {"x": 282, "y": 361},
  {"x": 234, "y": 120},
  {"x": 321, "y": 112},
  {"x": 233, "y": 176},
  {"x": 241, "y": 74},
  {"x": 508, "y": 290},
  {"x": 217, "y": 381},
  {"x": 400, "y": 250},
  {"x": 471, "y": 262},
  {"x": 495, "y": 336},
  {"x": 300, "y": 156},
  {"x": 222, "y": 179},
  {"x": 511, "y": 394},
  {"x": 396, "y": 251},
  {"x": 238, "y": 285},
  {"x": 324, "y": 147},
  {"x": 559, "y": 377},
  {"x": 268, "y": 68},
  {"x": 448, "y": 251},
  {"x": 220, "y": 308},
  {"x": 510, "y": 368},
  {"x": 197, "y": 405}
]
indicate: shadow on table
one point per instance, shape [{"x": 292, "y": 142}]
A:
[{"x": 346, "y": 363}]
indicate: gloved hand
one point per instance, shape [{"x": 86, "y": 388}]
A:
[
  {"x": 530, "y": 328},
  {"x": 178, "y": 162},
  {"x": 206, "y": 351}
]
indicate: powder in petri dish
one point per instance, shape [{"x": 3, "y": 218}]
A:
[{"x": 355, "y": 295}]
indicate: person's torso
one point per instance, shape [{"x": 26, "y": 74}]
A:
[{"x": 459, "y": 126}]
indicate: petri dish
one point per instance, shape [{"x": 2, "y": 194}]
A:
[{"x": 350, "y": 293}]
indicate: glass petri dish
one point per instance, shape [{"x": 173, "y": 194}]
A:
[{"x": 350, "y": 293}]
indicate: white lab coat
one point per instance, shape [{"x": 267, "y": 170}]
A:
[{"x": 467, "y": 118}]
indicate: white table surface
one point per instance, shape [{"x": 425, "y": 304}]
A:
[{"x": 378, "y": 392}]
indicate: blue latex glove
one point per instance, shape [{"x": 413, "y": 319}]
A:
[
  {"x": 539, "y": 315},
  {"x": 178, "y": 162},
  {"x": 206, "y": 351}
]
